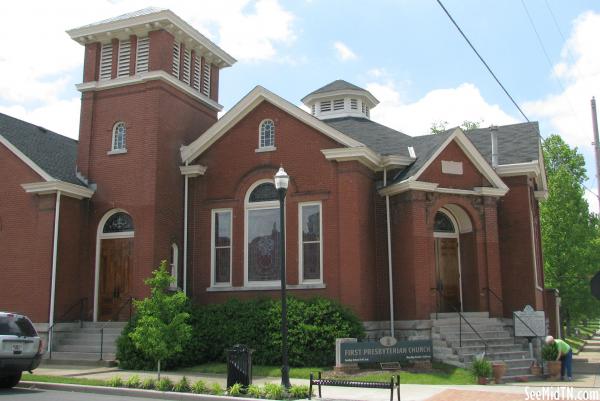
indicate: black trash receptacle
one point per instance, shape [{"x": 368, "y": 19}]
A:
[{"x": 239, "y": 365}]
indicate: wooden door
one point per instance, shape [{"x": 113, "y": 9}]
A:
[
  {"x": 115, "y": 267},
  {"x": 448, "y": 274}
]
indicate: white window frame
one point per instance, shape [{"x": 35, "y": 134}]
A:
[
  {"x": 258, "y": 206},
  {"x": 213, "y": 252},
  {"x": 301, "y": 279},
  {"x": 113, "y": 149},
  {"x": 536, "y": 276},
  {"x": 267, "y": 148},
  {"x": 174, "y": 265}
]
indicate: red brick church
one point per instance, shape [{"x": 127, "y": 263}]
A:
[{"x": 386, "y": 223}]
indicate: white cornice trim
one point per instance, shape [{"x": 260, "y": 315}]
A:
[
  {"x": 65, "y": 188},
  {"x": 245, "y": 106},
  {"x": 192, "y": 170},
  {"x": 488, "y": 191},
  {"x": 367, "y": 157},
  {"x": 163, "y": 19},
  {"x": 148, "y": 76},
  {"x": 408, "y": 185},
  {"x": 25, "y": 159},
  {"x": 529, "y": 168},
  {"x": 540, "y": 195}
]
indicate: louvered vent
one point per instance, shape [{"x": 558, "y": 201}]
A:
[
  {"x": 314, "y": 109},
  {"x": 326, "y": 106},
  {"x": 187, "y": 59},
  {"x": 124, "y": 53},
  {"x": 106, "y": 61},
  {"x": 338, "y": 104},
  {"x": 142, "y": 54},
  {"x": 176, "y": 56},
  {"x": 353, "y": 104},
  {"x": 196, "y": 74},
  {"x": 206, "y": 79}
]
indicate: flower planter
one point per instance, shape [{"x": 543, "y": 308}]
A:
[
  {"x": 536, "y": 370},
  {"x": 482, "y": 380},
  {"x": 553, "y": 369},
  {"x": 498, "y": 369}
]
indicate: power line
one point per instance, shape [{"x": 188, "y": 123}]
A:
[{"x": 483, "y": 61}]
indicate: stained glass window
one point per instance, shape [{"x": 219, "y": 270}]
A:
[
  {"x": 118, "y": 222},
  {"x": 443, "y": 224}
]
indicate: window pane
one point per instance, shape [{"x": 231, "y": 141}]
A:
[
  {"x": 263, "y": 245},
  {"x": 311, "y": 223},
  {"x": 223, "y": 229},
  {"x": 264, "y": 192},
  {"x": 312, "y": 261},
  {"x": 222, "y": 268},
  {"x": 443, "y": 223},
  {"x": 118, "y": 222}
]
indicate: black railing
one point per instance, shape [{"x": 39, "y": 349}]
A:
[
  {"x": 128, "y": 302},
  {"x": 461, "y": 317},
  {"x": 81, "y": 303}
]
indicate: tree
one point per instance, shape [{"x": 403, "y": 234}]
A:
[
  {"x": 438, "y": 127},
  {"x": 570, "y": 234},
  {"x": 162, "y": 322}
]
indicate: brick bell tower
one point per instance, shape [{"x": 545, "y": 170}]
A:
[{"x": 150, "y": 85}]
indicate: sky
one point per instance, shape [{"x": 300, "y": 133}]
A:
[{"x": 406, "y": 52}]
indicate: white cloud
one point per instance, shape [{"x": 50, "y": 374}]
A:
[
  {"x": 592, "y": 200},
  {"x": 453, "y": 105},
  {"x": 343, "y": 52},
  {"x": 568, "y": 112}
]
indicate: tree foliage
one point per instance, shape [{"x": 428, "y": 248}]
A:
[
  {"x": 570, "y": 234},
  {"x": 162, "y": 321},
  {"x": 438, "y": 127}
]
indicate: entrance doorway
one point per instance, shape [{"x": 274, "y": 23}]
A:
[
  {"x": 114, "y": 261},
  {"x": 447, "y": 263}
]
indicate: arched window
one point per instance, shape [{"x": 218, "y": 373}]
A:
[
  {"x": 119, "y": 142},
  {"x": 443, "y": 223},
  {"x": 118, "y": 223},
  {"x": 267, "y": 134},
  {"x": 262, "y": 231},
  {"x": 174, "y": 264}
]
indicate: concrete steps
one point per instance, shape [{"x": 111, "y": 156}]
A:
[{"x": 83, "y": 345}]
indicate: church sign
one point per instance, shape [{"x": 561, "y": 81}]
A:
[
  {"x": 374, "y": 351},
  {"x": 529, "y": 323}
]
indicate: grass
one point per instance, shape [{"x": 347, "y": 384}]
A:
[
  {"x": 63, "y": 380},
  {"x": 441, "y": 373},
  {"x": 585, "y": 332}
]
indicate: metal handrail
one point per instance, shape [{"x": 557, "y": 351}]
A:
[
  {"x": 515, "y": 315},
  {"x": 460, "y": 318},
  {"x": 80, "y": 302},
  {"x": 128, "y": 301}
]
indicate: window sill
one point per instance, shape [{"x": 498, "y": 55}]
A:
[
  {"x": 314, "y": 286},
  {"x": 266, "y": 149},
  {"x": 116, "y": 151}
]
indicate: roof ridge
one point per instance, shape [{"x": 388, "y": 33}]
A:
[{"x": 41, "y": 128}]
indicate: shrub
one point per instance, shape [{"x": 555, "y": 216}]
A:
[
  {"x": 216, "y": 389},
  {"x": 182, "y": 386},
  {"x": 164, "y": 384},
  {"x": 299, "y": 391},
  {"x": 148, "y": 384},
  {"x": 115, "y": 381},
  {"x": 550, "y": 352},
  {"x": 199, "y": 387},
  {"x": 133, "y": 382},
  {"x": 236, "y": 390},
  {"x": 254, "y": 391},
  {"x": 481, "y": 367},
  {"x": 273, "y": 391}
]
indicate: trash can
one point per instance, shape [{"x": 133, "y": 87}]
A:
[{"x": 239, "y": 365}]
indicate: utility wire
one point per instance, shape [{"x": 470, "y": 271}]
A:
[{"x": 482, "y": 60}]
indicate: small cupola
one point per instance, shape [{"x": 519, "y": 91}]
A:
[{"x": 340, "y": 99}]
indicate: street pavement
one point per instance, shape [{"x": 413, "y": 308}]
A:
[
  {"x": 24, "y": 394},
  {"x": 586, "y": 367}
]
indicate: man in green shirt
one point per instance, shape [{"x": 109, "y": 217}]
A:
[{"x": 565, "y": 355}]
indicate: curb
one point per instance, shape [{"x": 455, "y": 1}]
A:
[{"x": 128, "y": 392}]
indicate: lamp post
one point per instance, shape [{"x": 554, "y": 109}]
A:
[{"x": 281, "y": 184}]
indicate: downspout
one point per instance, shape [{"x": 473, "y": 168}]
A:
[
  {"x": 54, "y": 260},
  {"x": 185, "y": 231},
  {"x": 389, "y": 249}
]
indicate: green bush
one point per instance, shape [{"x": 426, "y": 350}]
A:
[
  {"x": 254, "y": 391},
  {"x": 164, "y": 384},
  {"x": 236, "y": 390},
  {"x": 481, "y": 367},
  {"x": 115, "y": 381},
  {"x": 199, "y": 387},
  {"x": 299, "y": 391},
  {"x": 550, "y": 352},
  {"x": 133, "y": 382},
  {"x": 313, "y": 326},
  {"x": 216, "y": 389},
  {"x": 274, "y": 391},
  {"x": 182, "y": 386},
  {"x": 148, "y": 384}
]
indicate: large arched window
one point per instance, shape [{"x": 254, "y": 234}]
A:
[
  {"x": 117, "y": 223},
  {"x": 262, "y": 232},
  {"x": 119, "y": 142},
  {"x": 266, "y": 135}
]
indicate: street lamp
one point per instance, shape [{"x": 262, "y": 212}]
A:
[{"x": 281, "y": 184}]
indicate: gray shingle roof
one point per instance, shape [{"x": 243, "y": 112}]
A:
[
  {"x": 517, "y": 143},
  {"x": 336, "y": 85},
  {"x": 53, "y": 153},
  {"x": 138, "y": 13}
]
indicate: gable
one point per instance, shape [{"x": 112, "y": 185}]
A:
[{"x": 452, "y": 168}]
